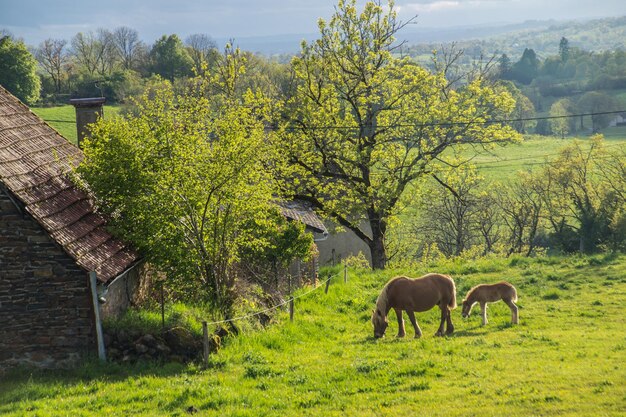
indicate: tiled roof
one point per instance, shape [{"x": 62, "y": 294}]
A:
[
  {"x": 302, "y": 212},
  {"x": 34, "y": 163}
]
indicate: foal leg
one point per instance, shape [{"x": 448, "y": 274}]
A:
[
  {"x": 401, "y": 332},
  {"x": 418, "y": 331},
  {"x": 513, "y": 307},
  {"x": 483, "y": 311}
]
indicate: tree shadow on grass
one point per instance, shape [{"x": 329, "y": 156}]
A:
[{"x": 29, "y": 384}]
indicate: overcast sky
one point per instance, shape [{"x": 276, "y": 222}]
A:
[{"x": 35, "y": 20}]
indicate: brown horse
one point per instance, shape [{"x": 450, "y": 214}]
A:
[
  {"x": 411, "y": 295},
  {"x": 486, "y": 293}
]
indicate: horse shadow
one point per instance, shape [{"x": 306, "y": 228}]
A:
[
  {"x": 476, "y": 331},
  {"x": 468, "y": 333}
]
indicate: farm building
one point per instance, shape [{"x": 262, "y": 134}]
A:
[
  {"x": 51, "y": 239},
  {"x": 300, "y": 211},
  {"x": 618, "y": 120},
  {"x": 333, "y": 246},
  {"x": 341, "y": 244}
]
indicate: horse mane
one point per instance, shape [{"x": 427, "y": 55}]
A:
[
  {"x": 382, "y": 300},
  {"x": 470, "y": 292}
]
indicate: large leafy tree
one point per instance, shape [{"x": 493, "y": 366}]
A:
[
  {"x": 183, "y": 180},
  {"x": 18, "y": 70},
  {"x": 202, "y": 50},
  {"x": 526, "y": 69},
  {"x": 524, "y": 110},
  {"x": 364, "y": 125},
  {"x": 559, "y": 125},
  {"x": 169, "y": 58},
  {"x": 598, "y": 103}
]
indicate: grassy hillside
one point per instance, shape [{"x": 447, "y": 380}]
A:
[
  {"x": 503, "y": 163},
  {"x": 63, "y": 118},
  {"x": 542, "y": 36},
  {"x": 565, "y": 358}
]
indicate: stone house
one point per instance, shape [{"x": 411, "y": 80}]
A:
[
  {"x": 333, "y": 246},
  {"x": 52, "y": 242},
  {"x": 300, "y": 211}
]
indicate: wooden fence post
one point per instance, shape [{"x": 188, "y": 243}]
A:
[
  {"x": 345, "y": 272},
  {"x": 291, "y": 309},
  {"x": 205, "y": 343},
  {"x": 327, "y": 284},
  {"x": 162, "y": 308}
]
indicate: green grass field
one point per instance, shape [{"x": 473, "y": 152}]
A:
[
  {"x": 566, "y": 357},
  {"x": 63, "y": 118},
  {"x": 504, "y": 162}
]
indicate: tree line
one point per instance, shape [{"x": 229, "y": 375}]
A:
[
  {"x": 193, "y": 173},
  {"x": 573, "y": 81},
  {"x": 114, "y": 63},
  {"x": 574, "y": 202}
]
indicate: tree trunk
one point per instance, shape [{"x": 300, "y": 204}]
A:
[
  {"x": 378, "y": 252},
  {"x": 377, "y": 244}
]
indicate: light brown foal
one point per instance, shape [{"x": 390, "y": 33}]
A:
[{"x": 489, "y": 293}]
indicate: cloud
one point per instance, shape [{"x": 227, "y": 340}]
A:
[
  {"x": 449, "y": 5},
  {"x": 430, "y": 7}
]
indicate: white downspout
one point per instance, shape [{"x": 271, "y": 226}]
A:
[{"x": 96, "y": 309}]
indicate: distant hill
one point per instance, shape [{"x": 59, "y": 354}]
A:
[{"x": 543, "y": 36}]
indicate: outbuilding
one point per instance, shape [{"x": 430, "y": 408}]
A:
[{"x": 52, "y": 242}]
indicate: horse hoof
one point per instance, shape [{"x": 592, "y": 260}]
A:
[
  {"x": 438, "y": 334},
  {"x": 400, "y": 335},
  {"x": 417, "y": 336}
]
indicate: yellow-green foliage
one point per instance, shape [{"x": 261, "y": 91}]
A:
[
  {"x": 183, "y": 180},
  {"x": 363, "y": 125},
  {"x": 564, "y": 358}
]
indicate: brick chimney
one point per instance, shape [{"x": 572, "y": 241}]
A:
[{"x": 88, "y": 110}]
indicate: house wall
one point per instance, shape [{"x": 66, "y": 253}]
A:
[
  {"x": 340, "y": 245},
  {"x": 46, "y": 312},
  {"x": 121, "y": 293}
]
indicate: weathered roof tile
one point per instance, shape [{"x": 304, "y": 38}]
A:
[
  {"x": 34, "y": 165},
  {"x": 302, "y": 212}
]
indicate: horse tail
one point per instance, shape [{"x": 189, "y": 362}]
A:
[{"x": 452, "y": 302}]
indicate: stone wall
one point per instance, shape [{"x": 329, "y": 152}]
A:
[{"x": 46, "y": 312}]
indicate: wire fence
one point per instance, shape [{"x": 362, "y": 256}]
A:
[
  {"x": 289, "y": 301},
  {"x": 285, "y": 302}
]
